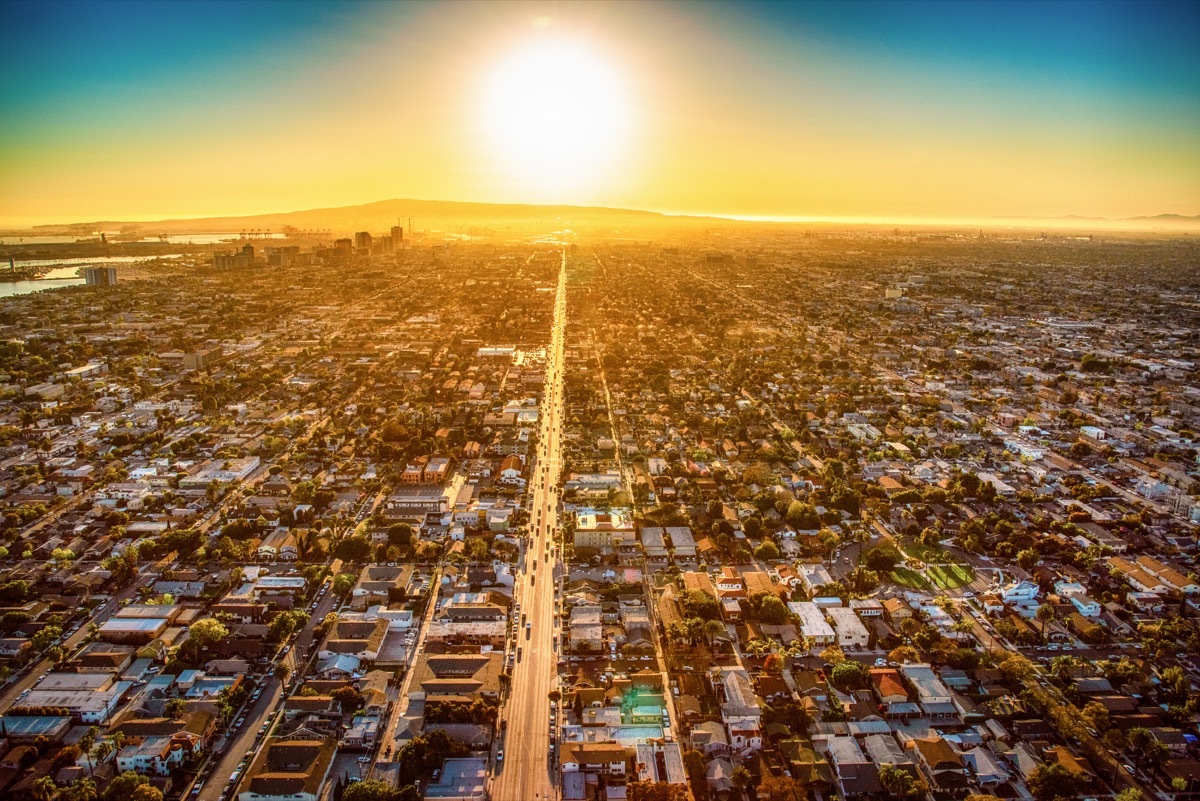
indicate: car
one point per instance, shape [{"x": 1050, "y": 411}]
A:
[
  {"x": 362, "y": 760},
  {"x": 500, "y": 755},
  {"x": 437, "y": 774}
]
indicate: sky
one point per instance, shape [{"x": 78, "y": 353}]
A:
[{"x": 854, "y": 110}]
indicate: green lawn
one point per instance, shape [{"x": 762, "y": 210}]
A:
[
  {"x": 906, "y": 577},
  {"x": 950, "y": 577},
  {"x": 926, "y": 553}
]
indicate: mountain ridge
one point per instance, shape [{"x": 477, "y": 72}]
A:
[{"x": 382, "y": 214}]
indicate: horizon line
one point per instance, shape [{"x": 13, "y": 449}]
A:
[{"x": 16, "y": 224}]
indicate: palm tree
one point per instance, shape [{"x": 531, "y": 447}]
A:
[
  {"x": 306, "y": 539},
  {"x": 86, "y": 742},
  {"x": 741, "y": 779},
  {"x": 103, "y": 750},
  {"x": 44, "y": 788},
  {"x": 712, "y": 629},
  {"x": 82, "y": 789},
  {"x": 1046, "y": 613}
]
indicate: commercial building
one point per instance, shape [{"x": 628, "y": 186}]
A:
[
  {"x": 813, "y": 624},
  {"x": 851, "y": 633}
]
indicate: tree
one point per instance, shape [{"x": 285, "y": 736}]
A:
[
  {"x": 1054, "y": 782},
  {"x": 82, "y": 789},
  {"x": 285, "y": 624},
  {"x": 86, "y": 742},
  {"x": 802, "y": 515},
  {"x": 741, "y": 778},
  {"x": 349, "y": 698},
  {"x": 1046, "y": 613},
  {"x": 400, "y": 534},
  {"x": 781, "y": 788},
  {"x": 655, "y": 791},
  {"x": 122, "y": 787},
  {"x": 849, "y": 675},
  {"x": 1016, "y": 669},
  {"x": 882, "y": 558},
  {"x": 175, "y": 708},
  {"x": 772, "y": 611},
  {"x": 45, "y": 638},
  {"x": 371, "y": 790},
  {"x": 205, "y": 632},
  {"x": 1096, "y": 716},
  {"x": 103, "y": 750},
  {"x": 834, "y": 655},
  {"x": 44, "y": 788},
  {"x": 767, "y": 551},
  {"x": 343, "y": 583},
  {"x": 899, "y": 783},
  {"x": 1027, "y": 559},
  {"x": 355, "y": 548},
  {"x": 713, "y": 629},
  {"x": 146, "y": 792}
]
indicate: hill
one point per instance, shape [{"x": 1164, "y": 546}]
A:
[{"x": 381, "y": 216}]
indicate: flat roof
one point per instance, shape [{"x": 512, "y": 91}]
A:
[{"x": 134, "y": 624}]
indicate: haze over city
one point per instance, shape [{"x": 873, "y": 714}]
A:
[{"x": 583, "y": 401}]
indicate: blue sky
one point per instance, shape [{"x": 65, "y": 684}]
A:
[{"x": 1101, "y": 95}]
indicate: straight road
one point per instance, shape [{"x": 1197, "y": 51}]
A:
[
  {"x": 528, "y": 771},
  {"x": 243, "y": 741}
]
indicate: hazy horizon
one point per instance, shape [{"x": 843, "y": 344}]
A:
[{"x": 1139, "y": 222}]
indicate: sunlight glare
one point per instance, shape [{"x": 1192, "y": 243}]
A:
[{"x": 556, "y": 115}]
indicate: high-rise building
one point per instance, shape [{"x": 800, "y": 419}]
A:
[
  {"x": 397, "y": 237},
  {"x": 100, "y": 276},
  {"x": 362, "y": 243},
  {"x": 234, "y": 261}
]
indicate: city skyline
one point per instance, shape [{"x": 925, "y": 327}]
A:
[{"x": 849, "y": 111}]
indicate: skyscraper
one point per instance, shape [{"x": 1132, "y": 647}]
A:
[{"x": 100, "y": 276}]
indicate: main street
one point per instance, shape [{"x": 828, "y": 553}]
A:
[
  {"x": 528, "y": 770},
  {"x": 238, "y": 743}
]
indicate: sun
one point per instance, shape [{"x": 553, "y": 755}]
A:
[{"x": 556, "y": 115}]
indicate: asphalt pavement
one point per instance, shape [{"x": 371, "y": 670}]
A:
[{"x": 528, "y": 771}]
